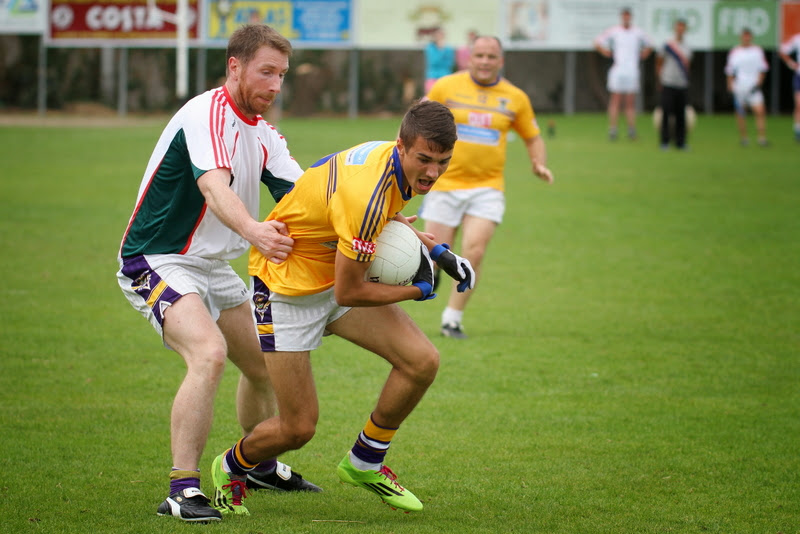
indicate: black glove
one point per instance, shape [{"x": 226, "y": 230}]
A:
[
  {"x": 455, "y": 266},
  {"x": 424, "y": 277}
]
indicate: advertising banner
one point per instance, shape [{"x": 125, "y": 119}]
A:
[
  {"x": 22, "y": 16},
  {"x": 562, "y": 24},
  {"x": 84, "y": 22},
  {"x": 307, "y": 23},
  {"x": 574, "y": 24},
  {"x": 699, "y": 16},
  {"x": 790, "y": 20},
  {"x": 731, "y": 17},
  {"x": 387, "y": 24}
]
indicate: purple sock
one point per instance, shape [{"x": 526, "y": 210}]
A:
[
  {"x": 267, "y": 466},
  {"x": 180, "y": 484}
]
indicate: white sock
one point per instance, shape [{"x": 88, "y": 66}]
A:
[
  {"x": 361, "y": 465},
  {"x": 449, "y": 315}
]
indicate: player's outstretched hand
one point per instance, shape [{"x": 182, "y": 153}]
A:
[
  {"x": 455, "y": 266},
  {"x": 273, "y": 241},
  {"x": 424, "y": 277}
]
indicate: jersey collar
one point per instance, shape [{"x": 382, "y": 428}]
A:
[
  {"x": 476, "y": 82},
  {"x": 398, "y": 175},
  {"x": 232, "y": 102}
]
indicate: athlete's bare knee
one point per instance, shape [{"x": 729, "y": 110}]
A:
[
  {"x": 298, "y": 435},
  {"x": 425, "y": 367},
  {"x": 209, "y": 362}
]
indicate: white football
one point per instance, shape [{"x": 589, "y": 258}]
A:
[
  {"x": 397, "y": 255},
  {"x": 691, "y": 117}
]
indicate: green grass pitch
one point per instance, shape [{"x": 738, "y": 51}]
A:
[{"x": 633, "y": 362}]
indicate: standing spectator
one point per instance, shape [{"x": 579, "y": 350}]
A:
[
  {"x": 746, "y": 68},
  {"x": 627, "y": 45},
  {"x": 335, "y": 212},
  {"x": 465, "y": 51},
  {"x": 470, "y": 194},
  {"x": 196, "y": 209},
  {"x": 439, "y": 59},
  {"x": 792, "y": 46},
  {"x": 672, "y": 68}
]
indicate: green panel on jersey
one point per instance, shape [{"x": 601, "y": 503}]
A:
[{"x": 171, "y": 206}]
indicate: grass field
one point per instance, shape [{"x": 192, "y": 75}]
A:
[{"x": 633, "y": 362}]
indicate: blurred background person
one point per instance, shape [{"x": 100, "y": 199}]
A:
[
  {"x": 627, "y": 45},
  {"x": 792, "y": 46},
  {"x": 672, "y": 70},
  {"x": 439, "y": 59},
  {"x": 463, "y": 53},
  {"x": 470, "y": 195},
  {"x": 745, "y": 69}
]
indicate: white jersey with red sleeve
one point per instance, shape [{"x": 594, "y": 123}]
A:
[
  {"x": 626, "y": 45},
  {"x": 745, "y": 64},
  {"x": 208, "y": 132}
]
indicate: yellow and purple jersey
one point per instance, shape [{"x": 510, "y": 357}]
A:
[
  {"x": 342, "y": 202},
  {"x": 484, "y": 114}
]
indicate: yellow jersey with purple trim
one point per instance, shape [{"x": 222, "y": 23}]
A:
[
  {"x": 342, "y": 202},
  {"x": 484, "y": 114}
]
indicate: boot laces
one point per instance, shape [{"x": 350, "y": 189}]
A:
[
  {"x": 238, "y": 490},
  {"x": 388, "y": 473}
]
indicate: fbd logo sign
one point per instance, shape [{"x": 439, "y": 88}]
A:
[{"x": 730, "y": 18}]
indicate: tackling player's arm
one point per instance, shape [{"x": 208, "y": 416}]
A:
[
  {"x": 538, "y": 156},
  {"x": 270, "y": 237}
]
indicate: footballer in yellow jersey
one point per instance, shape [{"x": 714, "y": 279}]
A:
[
  {"x": 484, "y": 114},
  {"x": 334, "y": 213},
  {"x": 470, "y": 195},
  {"x": 342, "y": 204}
]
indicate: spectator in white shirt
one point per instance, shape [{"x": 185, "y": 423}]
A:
[{"x": 627, "y": 45}]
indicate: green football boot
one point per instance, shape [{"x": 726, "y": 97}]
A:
[
  {"x": 228, "y": 490},
  {"x": 383, "y": 483}
]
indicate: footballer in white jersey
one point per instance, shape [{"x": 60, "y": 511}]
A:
[
  {"x": 626, "y": 45},
  {"x": 745, "y": 70}
]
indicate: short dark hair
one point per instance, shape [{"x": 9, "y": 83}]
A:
[
  {"x": 625, "y": 11},
  {"x": 433, "y": 122},
  {"x": 249, "y": 38}
]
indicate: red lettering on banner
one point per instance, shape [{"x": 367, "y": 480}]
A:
[
  {"x": 364, "y": 247},
  {"x": 118, "y": 19}
]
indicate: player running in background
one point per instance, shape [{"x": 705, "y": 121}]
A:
[
  {"x": 627, "y": 45},
  {"x": 196, "y": 209},
  {"x": 792, "y": 46},
  {"x": 334, "y": 214},
  {"x": 470, "y": 195},
  {"x": 745, "y": 69}
]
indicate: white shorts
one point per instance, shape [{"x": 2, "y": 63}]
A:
[
  {"x": 292, "y": 324},
  {"x": 622, "y": 80},
  {"x": 449, "y": 207},
  {"x": 747, "y": 97},
  {"x": 152, "y": 283}
]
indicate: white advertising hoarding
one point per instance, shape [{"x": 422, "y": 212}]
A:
[
  {"x": 388, "y": 24},
  {"x": 22, "y": 16},
  {"x": 574, "y": 24}
]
